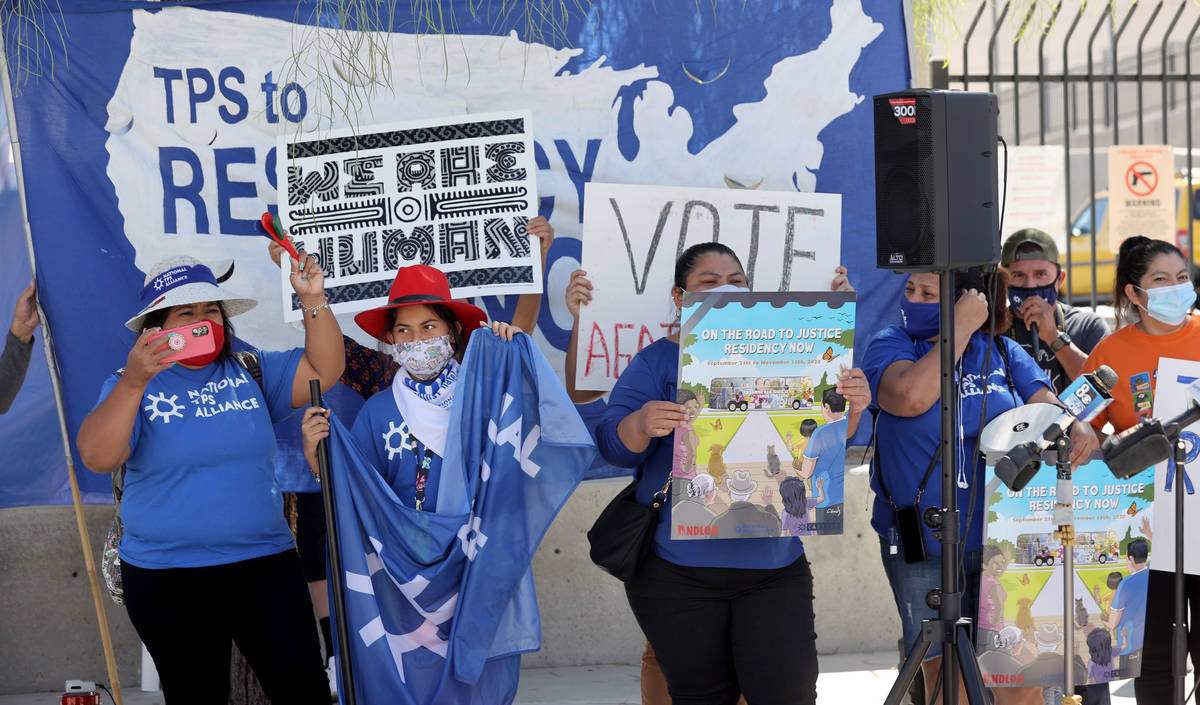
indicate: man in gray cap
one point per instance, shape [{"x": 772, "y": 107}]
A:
[{"x": 1057, "y": 335}]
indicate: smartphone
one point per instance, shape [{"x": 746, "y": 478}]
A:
[
  {"x": 912, "y": 538},
  {"x": 188, "y": 341}
]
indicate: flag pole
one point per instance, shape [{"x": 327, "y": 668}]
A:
[
  {"x": 89, "y": 562},
  {"x": 346, "y": 693}
]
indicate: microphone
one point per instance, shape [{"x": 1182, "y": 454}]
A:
[
  {"x": 1149, "y": 442},
  {"x": 1014, "y": 302},
  {"x": 1083, "y": 399}
]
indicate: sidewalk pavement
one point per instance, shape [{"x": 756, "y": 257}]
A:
[{"x": 862, "y": 679}]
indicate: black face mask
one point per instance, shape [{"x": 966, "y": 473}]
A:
[{"x": 1018, "y": 294}]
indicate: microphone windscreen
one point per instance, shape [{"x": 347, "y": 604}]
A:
[
  {"x": 1106, "y": 378},
  {"x": 1135, "y": 449}
]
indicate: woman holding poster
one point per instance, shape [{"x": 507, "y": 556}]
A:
[
  {"x": 207, "y": 558},
  {"x": 994, "y": 375},
  {"x": 1154, "y": 294},
  {"x": 724, "y": 617}
]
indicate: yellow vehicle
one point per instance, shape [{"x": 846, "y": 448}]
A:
[{"x": 1080, "y": 277}]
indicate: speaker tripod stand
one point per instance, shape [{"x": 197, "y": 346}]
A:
[{"x": 950, "y": 629}]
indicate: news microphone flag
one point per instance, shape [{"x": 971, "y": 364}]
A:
[
  {"x": 440, "y": 604},
  {"x": 1089, "y": 393},
  {"x": 1083, "y": 399}
]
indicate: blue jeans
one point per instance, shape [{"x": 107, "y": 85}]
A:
[{"x": 912, "y": 581}]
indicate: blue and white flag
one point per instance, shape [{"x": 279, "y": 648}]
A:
[{"x": 440, "y": 605}]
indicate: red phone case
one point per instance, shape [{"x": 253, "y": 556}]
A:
[{"x": 189, "y": 340}]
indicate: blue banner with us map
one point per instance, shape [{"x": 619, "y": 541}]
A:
[{"x": 150, "y": 129}]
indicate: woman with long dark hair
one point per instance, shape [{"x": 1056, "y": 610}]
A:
[
  {"x": 796, "y": 505},
  {"x": 993, "y": 374},
  {"x": 1100, "y": 665},
  {"x": 1153, "y": 298}
]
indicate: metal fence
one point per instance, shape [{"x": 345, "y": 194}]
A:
[{"x": 1109, "y": 77}]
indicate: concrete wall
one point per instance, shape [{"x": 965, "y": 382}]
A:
[{"x": 48, "y": 627}]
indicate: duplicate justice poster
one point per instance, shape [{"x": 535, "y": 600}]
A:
[{"x": 1020, "y": 637}]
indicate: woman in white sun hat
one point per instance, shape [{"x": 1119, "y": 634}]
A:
[{"x": 207, "y": 558}]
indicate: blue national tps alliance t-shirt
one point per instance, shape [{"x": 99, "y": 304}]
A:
[
  {"x": 905, "y": 445},
  {"x": 383, "y": 436},
  {"x": 828, "y": 448},
  {"x": 200, "y": 481}
]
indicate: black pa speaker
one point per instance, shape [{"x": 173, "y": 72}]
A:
[{"x": 935, "y": 180}]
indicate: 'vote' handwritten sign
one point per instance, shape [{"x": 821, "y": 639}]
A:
[{"x": 632, "y": 236}]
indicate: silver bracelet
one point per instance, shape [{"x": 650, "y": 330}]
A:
[{"x": 313, "y": 309}]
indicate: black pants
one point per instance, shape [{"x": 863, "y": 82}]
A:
[
  {"x": 188, "y": 618},
  {"x": 1155, "y": 684},
  {"x": 310, "y": 534},
  {"x": 721, "y": 632},
  {"x": 1094, "y": 694}
]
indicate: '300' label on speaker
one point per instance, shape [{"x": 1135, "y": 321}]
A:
[{"x": 905, "y": 110}]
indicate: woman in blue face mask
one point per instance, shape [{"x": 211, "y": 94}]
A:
[
  {"x": 1153, "y": 300},
  {"x": 994, "y": 374}
]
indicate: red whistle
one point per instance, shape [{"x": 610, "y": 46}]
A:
[{"x": 270, "y": 223}]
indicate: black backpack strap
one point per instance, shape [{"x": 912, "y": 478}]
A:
[{"x": 920, "y": 488}]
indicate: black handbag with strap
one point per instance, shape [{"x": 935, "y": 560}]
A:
[{"x": 622, "y": 535}]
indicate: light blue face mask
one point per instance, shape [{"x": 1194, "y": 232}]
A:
[{"x": 1169, "y": 304}]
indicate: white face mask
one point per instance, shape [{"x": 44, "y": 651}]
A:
[
  {"x": 730, "y": 288},
  {"x": 424, "y": 359}
]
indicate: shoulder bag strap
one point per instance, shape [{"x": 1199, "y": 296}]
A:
[{"x": 248, "y": 359}]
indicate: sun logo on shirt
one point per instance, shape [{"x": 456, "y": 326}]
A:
[
  {"x": 157, "y": 411},
  {"x": 393, "y": 429}
]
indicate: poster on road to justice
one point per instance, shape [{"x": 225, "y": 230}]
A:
[
  {"x": 632, "y": 235},
  {"x": 1020, "y": 638},
  {"x": 454, "y": 193},
  {"x": 1170, "y": 398},
  {"x": 764, "y": 453}
]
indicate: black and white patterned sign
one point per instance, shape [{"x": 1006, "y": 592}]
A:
[{"x": 455, "y": 194}]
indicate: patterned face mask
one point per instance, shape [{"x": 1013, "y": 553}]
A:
[{"x": 424, "y": 359}]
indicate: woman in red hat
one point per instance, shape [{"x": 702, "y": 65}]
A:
[
  {"x": 368, "y": 372},
  {"x": 402, "y": 429}
]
